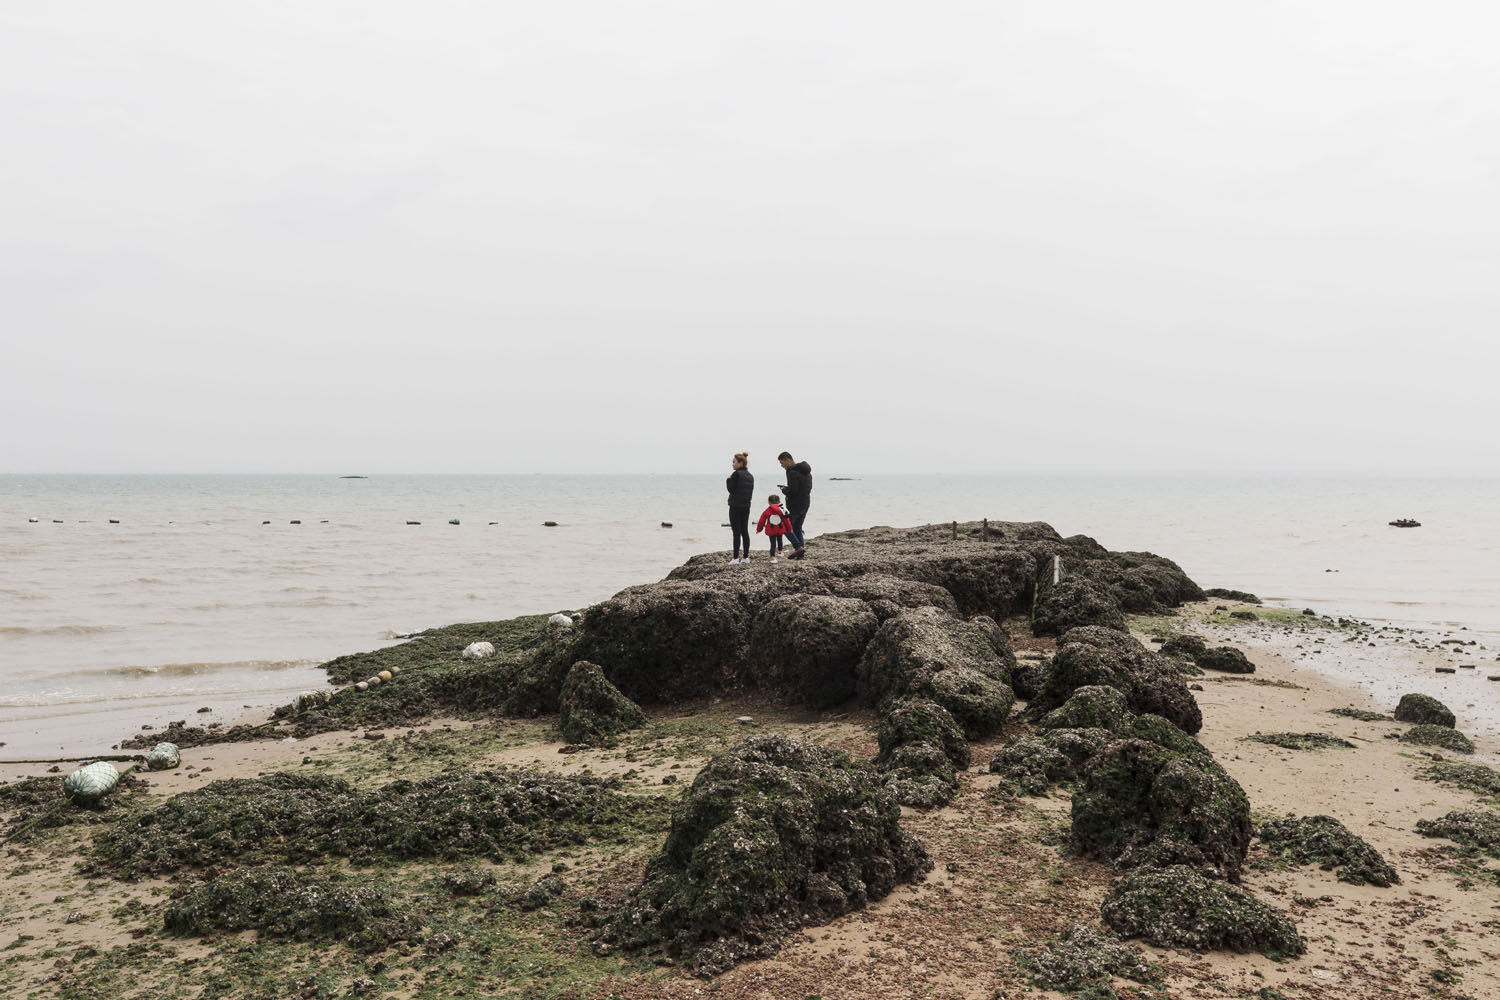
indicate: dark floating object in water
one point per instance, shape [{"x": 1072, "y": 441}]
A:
[
  {"x": 492, "y": 523},
  {"x": 295, "y": 522},
  {"x": 114, "y": 520},
  {"x": 413, "y": 522},
  {"x": 666, "y": 524},
  {"x": 354, "y": 477},
  {"x": 841, "y": 479},
  {"x": 549, "y": 524},
  {"x": 265, "y": 522},
  {"x": 56, "y": 520},
  {"x": 323, "y": 522},
  {"x": 452, "y": 520},
  {"x": 1405, "y": 522},
  {"x": 33, "y": 520}
]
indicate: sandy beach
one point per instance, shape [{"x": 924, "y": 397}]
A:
[{"x": 1001, "y": 886}]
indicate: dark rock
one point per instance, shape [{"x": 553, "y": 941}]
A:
[
  {"x": 1178, "y": 907},
  {"x": 926, "y": 653},
  {"x": 1072, "y": 603},
  {"x": 1099, "y": 656},
  {"x": 1327, "y": 843},
  {"x": 1225, "y": 658},
  {"x": 1033, "y": 763},
  {"x": 921, "y": 747},
  {"x": 1438, "y": 736},
  {"x": 1421, "y": 709},
  {"x": 920, "y": 775},
  {"x": 1144, "y": 804},
  {"x": 772, "y": 835},
  {"x": 592, "y": 711},
  {"x": 894, "y": 593},
  {"x": 812, "y": 645},
  {"x": 1246, "y": 616}
]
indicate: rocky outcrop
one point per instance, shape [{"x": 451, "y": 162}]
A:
[
  {"x": 1090, "y": 707},
  {"x": 1099, "y": 656},
  {"x": 592, "y": 711},
  {"x": 773, "y": 835},
  {"x": 812, "y": 645},
  {"x": 1424, "y": 710},
  {"x": 926, "y": 653}
]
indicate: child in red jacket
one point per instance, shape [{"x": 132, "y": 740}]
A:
[{"x": 775, "y": 523}]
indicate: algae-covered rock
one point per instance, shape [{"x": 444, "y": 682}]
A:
[
  {"x": 1185, "y": 644},
  {"x": 909, "y": 653},
  {"x": 1424, "y": 710},
  {"x": 1225, "y": 658},
  {"x": 1099, "y": 656},
  {"x": 1072, "y": 603},
  {"x": 500, "y": 814},
  {"x": 1090, "y": 707},
  {"x": 1029, "y": 676},
  {"x": 1475, "y": 777},
  {"x": 285, "y": 902},
  {"x": 669, "y": 641},
  {"x": 1178, "y": 907},
  {"x": 1474, "y": 829},
  {"x": 1438, "y": 736},
  {"x": 921, "y": 721},
  {"x": 920, "y": 749},
  {"x": 920, "y": 775},
  {"x": 1035, "y": 762},
  {"x": 1085, "y": 956},
  {"x": 773, "y": 834},
  {"x": 1327, "y": 843},
  {"x": 1231, "y": 595},
  {"x": 1144, "y": 804},
  {"x": 812, "y": 645},
  {"x": 592, "y": 710}
]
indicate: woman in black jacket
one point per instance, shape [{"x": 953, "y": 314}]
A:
[{"x": 741, "y": 487}]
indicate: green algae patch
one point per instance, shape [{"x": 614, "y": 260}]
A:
[
  {"x": 499, "y": 814},
  {"x": 1475, "y": 778},
  {"x": 773, "y": 835},
  {"x": 1424, "y": 710},
  {"x": 1327, "y": 843},
  {"x": 1438, "y": 736},
  {"x": 436, "y": 647},
  {"x": 1179, "y": 907},
  {"x": 1301, "y": 741},
  {"x": 1142, "y": 804},
  {"x": 592, "y": 710},
  {"x": 1361, "y": 714},
  {"x": 1474, "y": 830},
  {"x": 285, "y": 902},
  {"x": 1085, "y": 957}
]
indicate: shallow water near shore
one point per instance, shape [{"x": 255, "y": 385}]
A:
[{"x": 191, "y": 601}]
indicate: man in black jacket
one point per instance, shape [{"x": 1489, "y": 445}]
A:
[{"x": 798, "y": 493}]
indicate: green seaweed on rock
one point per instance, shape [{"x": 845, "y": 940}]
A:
[{"x": 1327, "y": 843}]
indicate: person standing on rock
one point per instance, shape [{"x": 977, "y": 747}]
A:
[
  {"x": 741, "y": 487},
  {"x": 798, "y": 493}
]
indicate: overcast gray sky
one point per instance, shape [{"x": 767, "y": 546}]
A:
[{"x": 614, "y": 236}]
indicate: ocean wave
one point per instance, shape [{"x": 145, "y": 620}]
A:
[{"x": 59, "y": 629}]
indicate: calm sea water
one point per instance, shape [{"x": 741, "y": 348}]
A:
[{"x": 191, "y": 598}]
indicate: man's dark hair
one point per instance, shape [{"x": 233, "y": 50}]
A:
[{"x": 786, "y": 455}]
